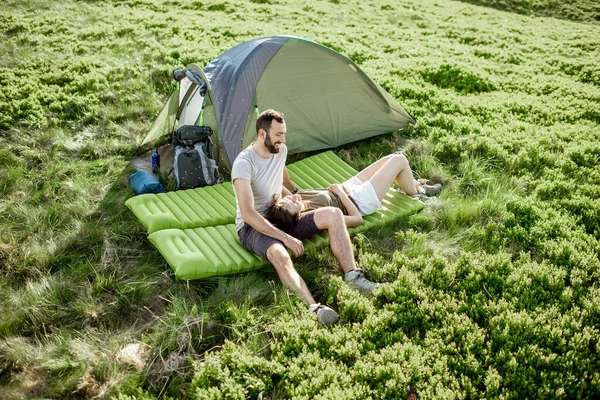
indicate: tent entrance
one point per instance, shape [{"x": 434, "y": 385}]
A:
[{"x": 190, "y": 103}]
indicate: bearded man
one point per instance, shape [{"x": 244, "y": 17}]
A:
[{"x": 258, "y": 175}]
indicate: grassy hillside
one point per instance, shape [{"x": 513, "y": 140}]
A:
[
  {"x": 494, "y": 288},
  {"x": 576, "y": 10}
]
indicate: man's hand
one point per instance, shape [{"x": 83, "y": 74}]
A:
[
  {"x": 294, "y": 244},
  {"x": 243, "y": 191}
]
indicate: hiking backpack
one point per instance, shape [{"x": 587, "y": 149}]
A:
[{"x": 193, "y": 163}]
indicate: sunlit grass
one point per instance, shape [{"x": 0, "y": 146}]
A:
[{"x": 491, "y": 286}]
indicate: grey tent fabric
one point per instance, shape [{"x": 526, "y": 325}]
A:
[{"x": 234, "y": 76}]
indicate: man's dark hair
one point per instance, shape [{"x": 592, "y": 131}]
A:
[
  {"x": 265, "y": 119},
  {"x": 280, "y": 216}
]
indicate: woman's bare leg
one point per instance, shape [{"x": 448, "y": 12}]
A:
[
  {"x": 417, "y": 185},
  {"x": 394, "y": 168},
  {"x": 368, "y": 172}
]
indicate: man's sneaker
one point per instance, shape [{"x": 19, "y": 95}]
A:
[
  {"x": 432, "y": 190},
  {"x": 356, "y": 280},
  {"x": 325, "y": 315}
]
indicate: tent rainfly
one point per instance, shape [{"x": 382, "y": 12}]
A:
[{"x": 326, "y": 98}]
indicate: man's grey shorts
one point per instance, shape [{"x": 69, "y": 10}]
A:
[{"x": 257, "y": 243}]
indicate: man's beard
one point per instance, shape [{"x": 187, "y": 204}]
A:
[{"x": 269, "y": 145}]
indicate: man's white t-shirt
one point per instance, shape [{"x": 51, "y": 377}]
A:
[{"x": 265, "y": 176}]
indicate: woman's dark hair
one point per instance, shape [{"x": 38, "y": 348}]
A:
[{"x": 279, "y": 216}]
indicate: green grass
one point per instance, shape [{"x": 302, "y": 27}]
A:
[
  {"x": 577, "y": 10},
  {"x": 493, "y": 287}
]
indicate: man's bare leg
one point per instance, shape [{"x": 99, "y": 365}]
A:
[
  {"x": 289, "y": 277},
  {"x": 278, "y": 256},
  {"x": 332, "y": 219}
]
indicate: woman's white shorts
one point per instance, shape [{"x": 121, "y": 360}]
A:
[{"x": 363, "y": 194}]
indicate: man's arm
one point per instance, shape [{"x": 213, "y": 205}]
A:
[
  {"x": 243, "y": 191},
  {"x": 288, "y": 185}
]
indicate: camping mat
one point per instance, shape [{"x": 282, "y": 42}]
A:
[
  {"x": 202, "y": 252},
  {"x": 215, "y": 205},
  {"x": 216, "y": 250},
  {"x": 181, "y": 209},
  {"x": 212, "y": 251}
]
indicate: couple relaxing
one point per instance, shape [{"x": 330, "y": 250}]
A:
[{"x": 260, "y": 178}]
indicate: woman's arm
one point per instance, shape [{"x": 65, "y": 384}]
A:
[
  {"x": 288, "y": 185},
  {"x": 353, "y": 218}
]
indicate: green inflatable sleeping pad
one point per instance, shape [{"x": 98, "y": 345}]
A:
[
  {"x": 216, "y": 250},
  {"x": 200, "y": 246},
  {"x": 212, "y": 251},
  {"x": 215, "y": 205},
  {"x": 181, "y": 209}
]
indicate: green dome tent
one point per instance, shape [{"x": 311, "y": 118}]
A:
[{"x": 326, "y": 98}]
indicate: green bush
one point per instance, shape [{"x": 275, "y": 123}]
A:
[{"x": 450, "y": 77}]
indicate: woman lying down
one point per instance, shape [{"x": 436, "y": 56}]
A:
[{"x": 359, "y": 196}]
